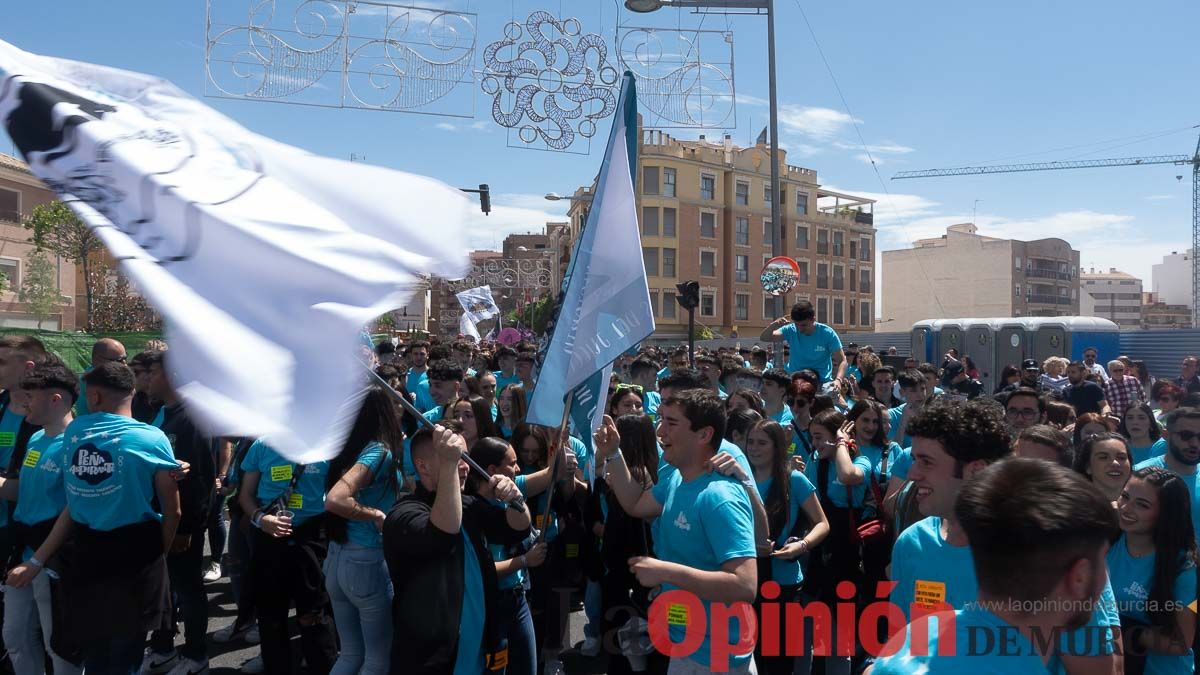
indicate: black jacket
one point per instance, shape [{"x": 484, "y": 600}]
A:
[
  {"x": 23, "y": 435},
  {"x": 196, "y": 491},
  {"x": 426, "y": 565}
]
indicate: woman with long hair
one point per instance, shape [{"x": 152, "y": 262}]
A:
[
  {"x": 737, "y": 426},
  {"x": 745, "y": 399},
  {"x": 1008, "y": 375},
  {"x": 1167, "y": 395},
  {"x": 626, "y": 399},
  {"x": 792, "y": 507},
  {"x": 513, "y": 406},
  {"x": 1088, "y": 425},
  {"x": 1145, "y": 436},
  {"x": 799, "y": 399},
  {"x": 970, "y": 368},
  {"x": 1104, "y": 459},
  {"x": 870, "y": 433},
  {"x": 475, "y": 415},
  {"x": 362, "y": 485},
  {"x": 1152, "y": 568},
  {"x": 514, "y": 618}
]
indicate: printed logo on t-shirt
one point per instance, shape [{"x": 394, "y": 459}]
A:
[
  {"x": 682, "y": 523},
  {"x": 929, "y": 593},
  {"x": 7, "y": 439},
  {"x": 92, "y": 465},
  {"x": 296, "y": 501},
  {"x": 1137, "y": 590},
  {"x": 279, "y": 473},
  {"x": 31, "y": 459},
  {"x": 677, "y": 615}
]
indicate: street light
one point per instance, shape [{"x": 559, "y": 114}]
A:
[
  {"x": 645, "y": 6},
  {"x": 555, "y": 197}
]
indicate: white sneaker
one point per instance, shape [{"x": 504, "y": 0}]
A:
[
  {"x": 554, "y": 667},
  {"x": 253, "y": 667},
  {"x": 212, "y": 572},
  {"x": 234, "y": 632},
  {"x": 591, "y": 647},
  {"x": 252, "y": 636},
  {"x": 190, "y": 667},
  {"x": 156, "y": 664}
]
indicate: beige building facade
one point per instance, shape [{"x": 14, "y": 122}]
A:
[
  {"x": 965, "y": 274},
  {"x": 705, "y": 215},
  {"x": 20, "y": 192},
  {"x": 1112, "y": 295}
]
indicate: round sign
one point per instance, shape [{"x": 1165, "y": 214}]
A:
[
  {"x": 780, "y": 275},
  {"x": 1015, "y": 340}
]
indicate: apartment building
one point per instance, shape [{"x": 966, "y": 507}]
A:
[
  {"x": 1112, "y": 295},
  {"x": 963, "y": 274},
  {"x": 705, "y": 215}
]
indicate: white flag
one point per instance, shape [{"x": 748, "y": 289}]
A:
[
  {"x": 467, "y": 327},
  {"x": 264, "y": 260},
  {"x": 478, "y": 303}
]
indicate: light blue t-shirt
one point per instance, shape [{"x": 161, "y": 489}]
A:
[
  {"x": 502, "y": 381},
  {"x": 705, "y": 522},
  {"x": 650, "y": 402},
  {"x": 81, "y": 406},
  {"x": 435, "y": 414},
  {"x": 307, "y": 500},
  {"x": 583, "y": 454},
  {"x": 928, "y": 570},
  {"x": 784, "y": 416},
  {"x": 380, "y": 494},
  {"x": 1191, "y": 481},
  {"x": 1131, "y": 580},
  {"x": 112, "y": 460},
  {"x": 667, "y": 471},
  {"x": 875, "y": 454},
  {"x": 41, "y": 495},
  {"x": 977, "y": 649},
  {"x": 418, "y": 385},
  {"x": 838, "y": 493},
  {"x": 1156, "y": 449},
  {"x": 900, "y": 463},
  {"x": 10, "y": 426},
  {"x": 895, "y": 433},
  {"x": 812, "y": 351},
  {"x": 160, "y": 417},
  {"x": 469, "y": 659},
  {"x": 788, "y": 572}
]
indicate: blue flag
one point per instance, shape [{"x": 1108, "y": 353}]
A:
[
  {"x": 587, "y": 412},
  {"x": 606, "y": 307}
]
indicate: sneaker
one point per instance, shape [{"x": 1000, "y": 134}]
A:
[
  {"x": 190, "y": 667},
  {"x": 253, "y": 667},
  {"x": 156, "y": 664},
  {"x": 252, "y": 634},
  {"x": 212, "y": 572},
  {"x": 235, "y": 632},
  {"x": 591, "y": 647},
  {"x": 554, "y": 667}
]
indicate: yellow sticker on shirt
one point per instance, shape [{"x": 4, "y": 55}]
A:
[
  {"x": 7, "y": 439},
  {"x": 31, "y": 459},
  {"x": 296, "y": 501},
  {"x": 677, "y": 615},
  {"x": 281, "y": 472},
  {"x": 572, "y": 550},
  {"x": 538, "y": 521},
  {"x": 929, "y": 593}
]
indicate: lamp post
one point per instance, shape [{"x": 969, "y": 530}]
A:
[{"x": 767, "y": 6}]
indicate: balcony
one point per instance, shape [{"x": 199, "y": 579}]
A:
[
  {"x": 822, "y": 248},
  {"x": 1043, "y": 299},
  {"x": 1047, "y": 274}
]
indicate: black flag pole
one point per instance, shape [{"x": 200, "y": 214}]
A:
[{"x": 557, "y": 445}]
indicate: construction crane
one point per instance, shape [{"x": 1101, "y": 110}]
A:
[{"x": 1193, "y": 160}]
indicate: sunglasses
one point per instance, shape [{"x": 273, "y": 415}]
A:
[
  {"x": 637, "y": 388},
  {"x": 119, "y": 359},
  {"x": 1187, "y": 436}
]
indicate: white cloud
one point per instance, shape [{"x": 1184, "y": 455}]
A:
[
  {"x": 821, "y": 124},
  {"x": 747, "y": 99},
  {"x": 445, "y": 126},
  {"x": 1159, "y": 198},
  {"x": 477, "y": 125},
  {"x": 511, "y": 214},
  {"x": 884, "y": 148}
]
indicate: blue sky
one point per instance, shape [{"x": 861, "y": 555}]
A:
[{"x": 929, "y": 84}]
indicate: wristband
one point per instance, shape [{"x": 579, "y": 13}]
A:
[
  {"x": 524, "y": 563},
  {"x": 749, "y": 484},
  {"x": 616, "y": 455},
  {"x": 803, "y": 546},
  {"x": 256, "y": 519},
  {"x": 35, "y": 562}
]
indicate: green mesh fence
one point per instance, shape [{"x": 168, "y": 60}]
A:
[{"x": 76, "y": 348}]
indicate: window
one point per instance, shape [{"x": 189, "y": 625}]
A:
[
  {"x": 11, "y": 268},
  {"x": 822, "y": 242},
  {"x": 668, "y": 305},
  {"x": 853, "y": 285},
  {"x": 10, "y": 208},
  {"x": 822, "y": 275},
  {"x": 668, "y": 183},
  {"x": 650, "y": 260},
  {"x": 802, "y": 203},
  {"x": 708, "y": 263},
  {"x": 767, "y": 232},
  {"x": 654, "y": 302},
  {"x": 823, "y": 310},
  {"x": 741, "y": 268},
  {"x": 742, "y": 194},
  {"x": 864, "y": 280},
  {"x": 839, "y": 278},
  {"x": 668, "y": 222},
  {"x": 838, "y": 244},
  {"x": 802, "y": 237},
  {"x": 864, "y": 313},
  {"x": 708, "y": 225},
  {"x": 803, "y": 271},
  {"x": 741, "y": 307},
  {"x": 668, "y": 263},
  {"x": 769, "y": 307},
  {"x": 708, "y": 303},
  {"x": 1017, "y": 263},
  {"x": 649, "y": 221},
  {"x": 864, "y": 249},
  {"x": 838, "y": 317},
  {"x": 853, "y": 251},
  {"x": 852, "y": 314},
  {"x": 768, "y": 195},
  {"x": 708, "y": 187},
  {"x": 741, "y": 234},
  {"x": 650, "y": 180},
  {"x": 1017, "y": 290}
]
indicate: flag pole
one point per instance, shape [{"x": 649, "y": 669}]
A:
[{"x": 557, "y": 445}]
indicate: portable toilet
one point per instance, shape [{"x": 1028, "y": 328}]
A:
[
  {"x": 950, "y": 335},
  {"x": 1011, "y": 345},
  {"x": 1092, "y": 331},
  {"x": 980, "y": 345},
  {"x": 924, "y": 338},
  {"x": 1048, "y": 337}
]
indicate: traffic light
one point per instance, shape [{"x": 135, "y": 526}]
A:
[
  {"x": 689, "y": 294},
  {"x": 485, "y": 199}
]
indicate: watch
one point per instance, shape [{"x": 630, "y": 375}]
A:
[{"x": 256, "y": 518}]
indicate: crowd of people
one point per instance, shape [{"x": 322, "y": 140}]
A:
[{"x": 1057, "y": 517}]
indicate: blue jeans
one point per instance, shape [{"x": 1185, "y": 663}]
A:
[
  {"x": 25, "y": 610},
  {"x": 593, "y": 608},
  {"x": 360, "y": 590},
  {"x": 516, "y": 624}
]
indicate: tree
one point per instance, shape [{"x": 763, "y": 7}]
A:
[
  {"x": 116, "y": 306},
  {"x": 57, "y": 229},
  {"x": 39, "y": 290}
]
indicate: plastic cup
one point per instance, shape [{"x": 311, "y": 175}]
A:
[{"x": 285, "y": 515}]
